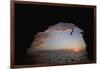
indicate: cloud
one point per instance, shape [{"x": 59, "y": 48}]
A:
[{"x": 59, "y": 37}]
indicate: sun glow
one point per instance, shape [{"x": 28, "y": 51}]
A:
[
  {"x": 73, "y": 49},
  {"x": 76, "y": 49}
]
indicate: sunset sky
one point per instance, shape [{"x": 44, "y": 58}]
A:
[{"x": 58, "y": 37}]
